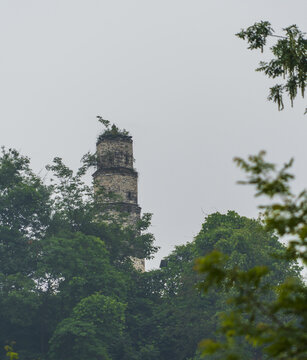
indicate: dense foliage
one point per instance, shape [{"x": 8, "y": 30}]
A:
[
  {"x": 68, "y": 289},
  {"x": 270, "y": 315},
  {"x": 59, "y": 257}
]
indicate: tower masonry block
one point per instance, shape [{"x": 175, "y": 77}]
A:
[{"x": 116, "y": 176}]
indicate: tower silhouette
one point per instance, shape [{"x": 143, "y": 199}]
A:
[{"x": 116, "y": 175}]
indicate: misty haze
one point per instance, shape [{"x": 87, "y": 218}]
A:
[{"x": 149, "y": 204}]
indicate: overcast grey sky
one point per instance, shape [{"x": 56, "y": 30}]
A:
[{"x": 172, "y": 73}]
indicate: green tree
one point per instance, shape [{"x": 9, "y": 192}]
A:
[
  {"x": 57, "y": 250},
  {"x": 93, "y": 331},
  {"x": 80, "y": 297},
  {"x": 289, "y": 62},
  {"x": 182, "y": 315},
  {"x": 271, "y": 317},
  {"x": 25, "y": 211},
  {"x": 276, "y": 324}
]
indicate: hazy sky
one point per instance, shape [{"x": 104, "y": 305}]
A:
[{"x": 172, "y": 73}]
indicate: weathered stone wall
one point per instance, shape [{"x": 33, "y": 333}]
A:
[
  {"x": 115, "y": 152},
  {"x": 122, "y": 185},
  {"x": 126, "y": 213},
  {"x": 139, "y": 264}
]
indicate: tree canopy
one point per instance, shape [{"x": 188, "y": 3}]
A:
[
  {"x": 68, "y": 289},
  {"x": 56, "y": 256}
]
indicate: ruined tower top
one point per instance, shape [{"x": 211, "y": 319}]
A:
[
  {"x": 114, "y": 151},
  {"x": 115, "y": 172}
]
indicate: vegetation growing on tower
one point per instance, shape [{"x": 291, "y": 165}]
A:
[{"x": 110, "y": 129}]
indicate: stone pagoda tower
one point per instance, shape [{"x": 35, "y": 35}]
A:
[{"x": 115, "y": 175}]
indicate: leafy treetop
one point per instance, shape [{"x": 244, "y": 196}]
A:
[{"x": 289, "y": 62}]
